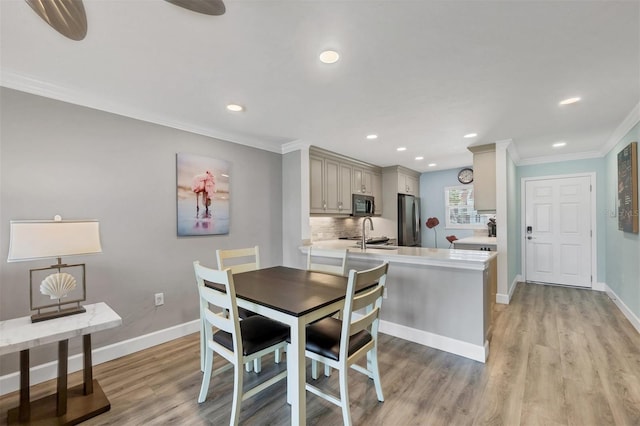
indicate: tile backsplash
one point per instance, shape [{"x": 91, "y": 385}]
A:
[{"x": 331, "y": 228}]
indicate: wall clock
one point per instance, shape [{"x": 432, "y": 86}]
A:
[{"x": 465, "y": 176}]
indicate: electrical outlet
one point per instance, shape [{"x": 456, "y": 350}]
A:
[
  {"x": 384, "y": 293},
  {"x": 159, "y": 297}
]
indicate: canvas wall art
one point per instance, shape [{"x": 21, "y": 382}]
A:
[
  {"x": 628, "y": 188},
  {"x": 203, "y": 195}
]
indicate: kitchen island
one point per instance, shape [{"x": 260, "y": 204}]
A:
[{"x": 440, "y": 298}]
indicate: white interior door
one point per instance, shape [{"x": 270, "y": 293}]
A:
[{"x": 558, "y": 231}]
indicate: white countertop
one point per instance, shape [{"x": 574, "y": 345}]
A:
[
  {"x": 20, "y": 333},
  {"x": 477, "y": 240},
  {"x": 448, "y": 258}
]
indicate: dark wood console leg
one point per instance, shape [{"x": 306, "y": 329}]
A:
[
  {"x": 24, "y": 410},
  {"x": 88, "y": 367},
  {"x": 61, "y": 396}
]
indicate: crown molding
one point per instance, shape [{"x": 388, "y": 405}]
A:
[
  {"x": 627, "y": 124},
  {"x": 559, "y": 158},
  {"x": 296, "y": 145},
  {"x": 24, "y": 83}
]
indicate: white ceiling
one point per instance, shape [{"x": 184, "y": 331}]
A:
[{"x": 420, "y": 74}]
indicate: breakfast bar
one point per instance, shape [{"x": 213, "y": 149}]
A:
[{"x": 440, "y": 298}]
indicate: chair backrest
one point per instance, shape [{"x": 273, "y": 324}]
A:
[
  {"x": 227, "y": 319},
  {"x": 230, "y": 258},
  {"x": 339, "y": 257},
  {"x": 370, "y": 299}
]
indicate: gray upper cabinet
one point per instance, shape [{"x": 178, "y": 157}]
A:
[
  {"x": 333, "y": 178},
  {"x": 484, "y": 177}
]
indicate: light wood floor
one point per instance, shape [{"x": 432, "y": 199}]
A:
[{"x": 559, "y": 356}]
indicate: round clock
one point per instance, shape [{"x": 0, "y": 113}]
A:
[{"x": 465, "y": 176}]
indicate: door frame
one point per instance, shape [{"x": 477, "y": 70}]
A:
[{"x": 594, "y": 236}]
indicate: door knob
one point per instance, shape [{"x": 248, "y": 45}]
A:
[{"x": 529, "y": 237}]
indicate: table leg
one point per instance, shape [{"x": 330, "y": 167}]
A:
[
  {"x": 88, "y": 367},
  {"x": 296, "y": 374},
  {"x": 25, "y": 409},
  {"x": 61, "y": 396}
]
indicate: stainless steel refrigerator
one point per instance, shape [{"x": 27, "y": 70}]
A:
[{"x": 409, "y": 223}]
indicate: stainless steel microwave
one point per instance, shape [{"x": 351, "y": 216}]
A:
[{"x": 363, "y": 205}]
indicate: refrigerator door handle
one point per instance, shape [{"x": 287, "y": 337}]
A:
[{"x": 416, "y": 221}]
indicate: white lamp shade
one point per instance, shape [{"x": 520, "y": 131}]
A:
[{"x": 41, "y": 239}]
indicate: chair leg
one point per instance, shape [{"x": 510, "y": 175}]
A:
[
  {"x": 314, "y": 369},
  {"x": 206, "y": 378},
  {"x": 237, "y": 394},
  {"x": 376, "y": 373},
  {"x": 327, "y": 370},
  {"x": 257, "y": 365},
  {"x": 344, "y": 396}
]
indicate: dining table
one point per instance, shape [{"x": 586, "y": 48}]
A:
[{"x": 295, "y": 297}]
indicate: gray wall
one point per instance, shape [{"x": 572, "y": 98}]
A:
[{"x": 58, "y": 158}]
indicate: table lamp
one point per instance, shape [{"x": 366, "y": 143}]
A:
[{"x": 43, "y": 239}]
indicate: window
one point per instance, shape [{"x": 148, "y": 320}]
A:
[{"x": 460, "y": 212}]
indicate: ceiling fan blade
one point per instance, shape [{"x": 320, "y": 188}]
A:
[
  {"x": 208, "y": 7},
  {"x": 65, "y": 16}
]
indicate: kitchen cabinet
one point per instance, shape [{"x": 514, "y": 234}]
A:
[
  {"x": 376, "y": 190},
  {"x": 316, "y": 182},
  {"x": 484, "y": 177},
  {"x": 408, "y": 184},
  {"x": 403, "y": 180},
  {"x": 330, "y": 186},
  {"x": 362, "y": 181},
  {"x": 333, "y": 178}
]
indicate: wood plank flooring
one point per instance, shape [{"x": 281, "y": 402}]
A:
[{"x": 559, "y": 356}]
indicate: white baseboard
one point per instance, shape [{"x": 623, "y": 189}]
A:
[
  {"x": 633, "y": 319},
  {"x": 436, "y": 341},
  {"x": 597, "y": 286},
  {"x": 506, "y": 298},
  {"x": 41, "y": 373}
]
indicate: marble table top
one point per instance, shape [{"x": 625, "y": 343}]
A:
[{"x": 20, "y": 333}]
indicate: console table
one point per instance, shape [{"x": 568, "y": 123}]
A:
[{"x": 67, "y": 406}]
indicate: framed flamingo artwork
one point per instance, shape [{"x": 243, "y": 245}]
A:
[{"x": 203, "y": 195}]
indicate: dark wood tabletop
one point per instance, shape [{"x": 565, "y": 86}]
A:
[{"x": 289, "y": 290}]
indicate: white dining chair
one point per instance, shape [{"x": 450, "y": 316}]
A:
[
  {"x": 239, "y": 342},
  {"x": 329, "y": 261},
  {"x": 243, "y": 260},
  {"x": 340, "y": 343}
]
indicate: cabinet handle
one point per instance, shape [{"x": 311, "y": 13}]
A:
[{"x": 324, "y": 205}]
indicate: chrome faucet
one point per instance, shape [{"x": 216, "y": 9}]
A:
[{"x": 364, "y": 237}]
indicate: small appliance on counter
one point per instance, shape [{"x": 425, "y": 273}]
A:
[{"x": 491, "y": 225}]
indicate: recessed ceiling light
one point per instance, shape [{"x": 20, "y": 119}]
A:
[
  {"x": 559, "y": 144},
  {"x": 235, "y": 107},
  {"x": 570, "y": 101},
  {"x": 371, "y": 137},
  {"x": 419, "y": 158},
  {"x": 329, "y": 57},
  {"x": 432, "y": 164},
  {"x": 470, "y": 135},
  {"x": 402, "y": 148}
]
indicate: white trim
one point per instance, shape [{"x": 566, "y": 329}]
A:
[
  {"x": 436, "y": 341},
  {"x": 598, "y": 286},
  {"x": 630, "y": 120},
  {"x": 559, "y": 157},
  {"x": 633, "y": 319},
  {"x": 505, "y": 299},
  {"x": 294, "y": 146},
  {"x": 594, "y": 239},
  {"x": 43, "y": 372},
  {"x": 28, "y": 84}
]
